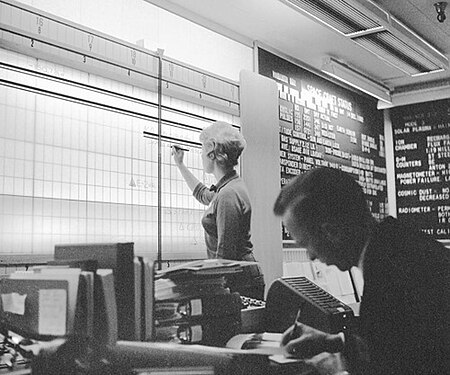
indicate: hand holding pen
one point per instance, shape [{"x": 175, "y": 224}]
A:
[
  {"x": 288, "y": 340},
  {"x": 296, "y": 330},
  {"x": 178, "y": 153},
  {"x": 303, "y": 341},
  {"x": 179, "y": 148}
]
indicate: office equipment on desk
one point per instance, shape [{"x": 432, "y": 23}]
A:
[
  {"x": 251, "y": 311},
  {"x": 211, "y": 332},
  {"x": 133, "y": 283},
  {"x": 47, "y": 303},
  {"x": 193, "y": 304},
  {"x": 105, "y": 306},
  {"x": 206, "y": 307},
  {"x": 59, "y": 305},
  {"x": 65, "y": 307},
  {"x": 86, "y": 298},
  {"x": 147, "y": 299},
  {"x": 187, "y": 288},
  {"x": 36, "y": 308},
  {"x": 13, "y": 360},
  {"x": 89, "y": 265},
  {"x": 127, "y": 279},
  {"x": 82, "y": 273},
  {"x": 252, "y": 315},
  {"x": 87, "y": 268},
  {"x": 204, "y": 267},
  {"x": 195, "y": 279},
  {"x": 96, "y": 293},
  {"x": 319, "y": 309},
  {"x": 137, "y": 290},
  {"x": 207, "y": 320}
]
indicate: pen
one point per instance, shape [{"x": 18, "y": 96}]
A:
[
  {"x": 177, "y": 148},
  {"x": 296, "y": 330}
]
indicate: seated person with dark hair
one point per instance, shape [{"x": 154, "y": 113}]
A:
[{"x": 405, "y": 308}]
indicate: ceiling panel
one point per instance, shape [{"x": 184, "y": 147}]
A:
[
  {"x": 279, "y": 26},
  {"x": 420, "y": 15}
]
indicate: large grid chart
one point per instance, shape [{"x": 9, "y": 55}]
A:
[
  {"x": 75, "y": 167},
  {"x": 74, "y": 164}
]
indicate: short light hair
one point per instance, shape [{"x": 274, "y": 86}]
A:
[
  {"x": 224, "y": 141},
  {"x": 323, "y": 195}
]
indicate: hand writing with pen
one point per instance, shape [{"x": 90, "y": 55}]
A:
[
  {"x": 178, "y": 154},
  {"x": 303, "y": 341}
]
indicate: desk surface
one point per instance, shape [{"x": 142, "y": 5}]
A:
[
  {"x": 19, "y": 370},
  {"x": 132, "y": 357},
  {"x": 150, "y": 355}
]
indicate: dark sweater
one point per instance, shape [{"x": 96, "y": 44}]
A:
[{"x": 405, "y": 309}]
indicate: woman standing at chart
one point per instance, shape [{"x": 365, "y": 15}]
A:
[{"x": 226, "y": 221}]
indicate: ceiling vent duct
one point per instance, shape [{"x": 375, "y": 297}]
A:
[
  {"x": 377, "y": 31},
  {"x": 352, "y": 77}
]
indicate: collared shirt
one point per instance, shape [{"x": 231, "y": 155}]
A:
[
  {"x": 226, "y": 221},
  {"x": 363, "y": 253}
]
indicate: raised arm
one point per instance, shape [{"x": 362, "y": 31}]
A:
[
  {"x": 199, "y": 190},
  {"x": 189, "y": 178}
]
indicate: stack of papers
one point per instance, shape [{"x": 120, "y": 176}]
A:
[{"x": 204, "y": 267}]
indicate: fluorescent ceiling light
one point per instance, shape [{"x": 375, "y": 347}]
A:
[
  {"x": 372, "y": 28},
  {"x": 350, "y": 76}
]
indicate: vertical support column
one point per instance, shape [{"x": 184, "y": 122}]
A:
[
  {"x": 390, "y": 164},
  {"x": 159, "y": 255},
  {"x": 261, "y": 168}
]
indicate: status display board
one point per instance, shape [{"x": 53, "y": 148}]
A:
[
  {"x": 324, "y": 124},
  {"x": 422, "y": 165}
]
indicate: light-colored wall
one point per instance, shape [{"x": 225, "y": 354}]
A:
[
  {"x": 261, "y": 168},
  {"x": 135, "y": 20}
]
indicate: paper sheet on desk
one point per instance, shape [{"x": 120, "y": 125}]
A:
[
  {"x": 281, "y": 359},
  {"x": 14, "y": 303},
  {"x": 324, "y": 363},
  {"x": 52, "y": 312},
  {"x": 260, "y": 343}
]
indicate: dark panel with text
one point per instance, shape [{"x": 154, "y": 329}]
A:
[
  {"x": 422, "y": 165},
  {"x": 324, "y": 124}
]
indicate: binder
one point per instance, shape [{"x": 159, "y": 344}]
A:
[
  {"x": 147, "y": 299},
  {"x": 105, "y": 308},
  {"x": 118, "y": 257},
  {"x": 138, "y": 321},
  {"x": 205, "y": 267},
  {"x": 168, "y": 289},
  {"x": 212, "y": 332},
  {"x": 84, "y": 314},
  {"x": 206, "y": 307}
]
